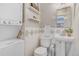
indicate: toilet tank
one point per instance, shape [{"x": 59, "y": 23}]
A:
[{"x": 10, "y": 20}]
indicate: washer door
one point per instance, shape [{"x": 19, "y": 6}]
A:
[{"x": 13, "y": 49}]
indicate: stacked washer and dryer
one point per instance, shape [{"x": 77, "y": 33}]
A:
[{"x": 10, "y": 25}]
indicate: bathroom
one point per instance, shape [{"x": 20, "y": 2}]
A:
[{"x": 39, "y": 29}]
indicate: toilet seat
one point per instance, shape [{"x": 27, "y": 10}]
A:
[{"x": 40, "y": 51}]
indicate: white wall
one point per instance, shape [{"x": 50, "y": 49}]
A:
[
  {"x": 31, "y": 40},
  {"x": 75, "y": 24},
  {"x": 48, "y": 14}
]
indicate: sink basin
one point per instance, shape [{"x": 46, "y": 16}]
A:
[{"x": 64, "y": 38}]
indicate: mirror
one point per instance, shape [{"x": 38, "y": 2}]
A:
[{"x": 64, "y": 17}]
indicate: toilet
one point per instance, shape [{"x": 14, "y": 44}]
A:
[
  {"x": 45, "y": 43},
  {"x": 40, "y": 51}
]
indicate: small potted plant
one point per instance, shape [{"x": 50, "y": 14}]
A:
[{"x": 69, "y": 32}]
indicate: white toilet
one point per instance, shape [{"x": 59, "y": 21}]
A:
[
  {"x": 40, "y": 51},
  {"x": 45, "y": 43}
]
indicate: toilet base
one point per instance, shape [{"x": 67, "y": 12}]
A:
[{"x": 40, "y": 51}]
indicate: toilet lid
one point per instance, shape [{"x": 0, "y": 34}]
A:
[{"x": 41, "y": 51}]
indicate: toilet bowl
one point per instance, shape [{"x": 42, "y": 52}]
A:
[
  {"x": 40, "y": 51},
  {"x": 45, "y": 42},
  {"x": 45, "y": 49}
]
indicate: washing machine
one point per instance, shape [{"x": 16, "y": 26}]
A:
[
  {"x": 12, "y": 47},
  {"x": 10, "y": 26}
]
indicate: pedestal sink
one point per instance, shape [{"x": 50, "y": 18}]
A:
[
  {"x": 61, "y": 42},
  {"x": 64, "y": 38}
]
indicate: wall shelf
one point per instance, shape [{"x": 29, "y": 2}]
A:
[
  {"x": 35, "y": 20},
  {"x": 34, "y": 10},
  {"x": 65, "y": 6}
]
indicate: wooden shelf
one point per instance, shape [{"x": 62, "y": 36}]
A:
[
  {"x": 34, "y": 10},
  {"x": 66, "y": 6},
  {"x": 35, "y": 20}
]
